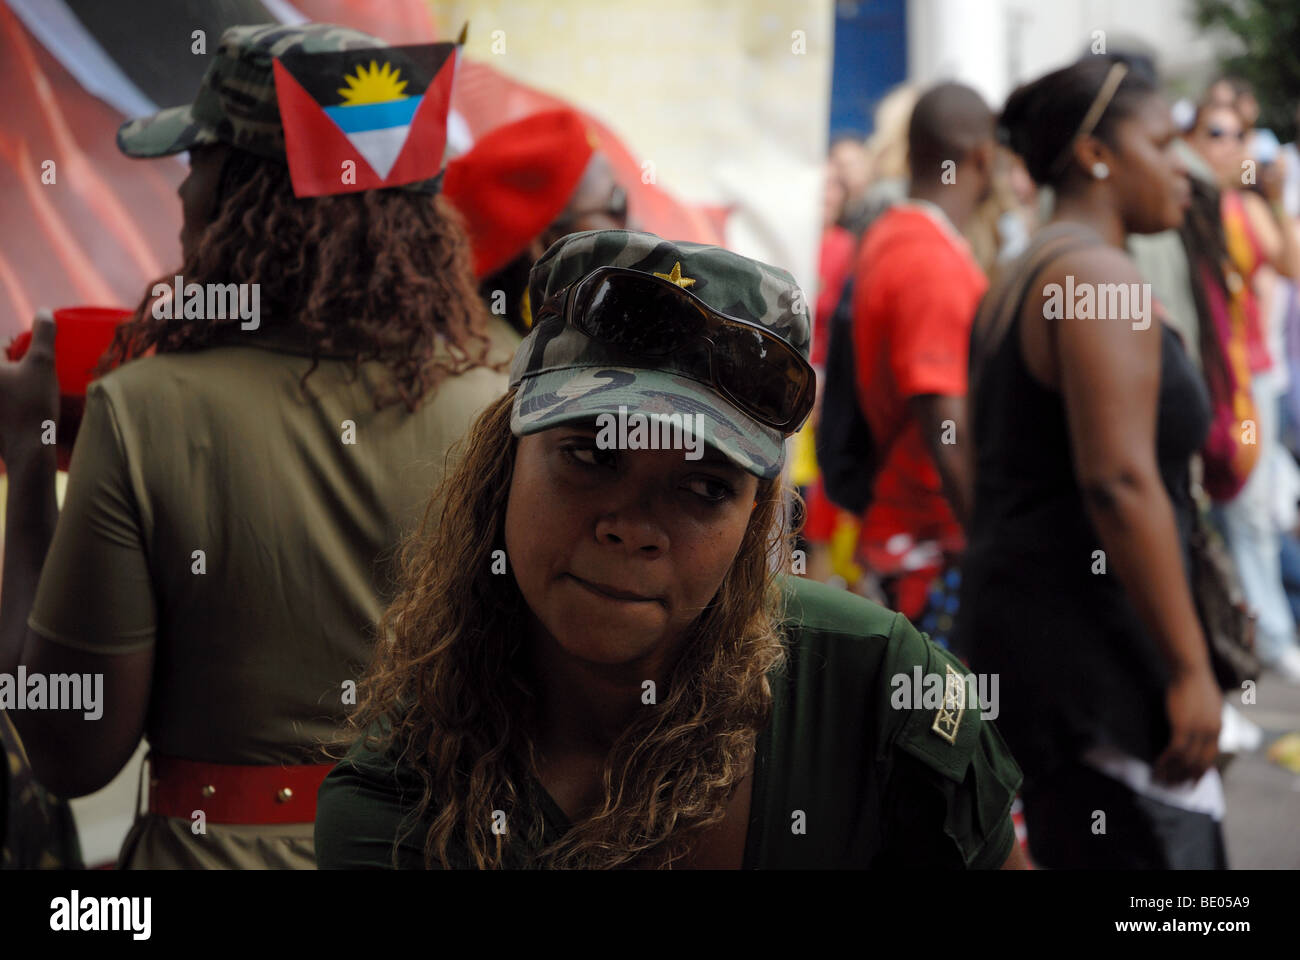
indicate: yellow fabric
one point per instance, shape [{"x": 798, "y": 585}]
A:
[
  {"x": 803, "y": 465},
  {"x": 844, "y": 545}
]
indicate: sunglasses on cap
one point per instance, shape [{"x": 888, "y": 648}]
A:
[{"x": 649, "y": 317}]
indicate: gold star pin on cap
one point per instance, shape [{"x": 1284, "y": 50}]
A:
[{"x": 676, "y": 276}]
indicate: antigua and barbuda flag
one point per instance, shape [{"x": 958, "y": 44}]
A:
[{"x": 383, "y": 108}]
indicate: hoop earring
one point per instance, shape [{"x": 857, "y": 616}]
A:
[{"x": 1100, "y": 171}]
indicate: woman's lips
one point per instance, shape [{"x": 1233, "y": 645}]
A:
[{"x": 613, "y": 593}]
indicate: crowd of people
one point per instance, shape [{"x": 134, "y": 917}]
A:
[
  {"x": 1060, "y": 491},
  {"x": 378, "y": 592}
]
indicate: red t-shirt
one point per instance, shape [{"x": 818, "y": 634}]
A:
[{"x": 917, "y": 288}]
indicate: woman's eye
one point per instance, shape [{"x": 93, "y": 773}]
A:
[
  {"x": 710, "y": 489},
  {"x": 589, "y": 455}
]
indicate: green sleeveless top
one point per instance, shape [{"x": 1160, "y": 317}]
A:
[{"x": 852, "y": 769}]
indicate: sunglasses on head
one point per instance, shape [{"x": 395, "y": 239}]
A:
[{"x": 648, "y": 317}]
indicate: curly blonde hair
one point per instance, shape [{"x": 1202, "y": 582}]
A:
[{"x": 450, "y": 689}]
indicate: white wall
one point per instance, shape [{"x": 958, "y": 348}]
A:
[{"x": 995, "y": 44}]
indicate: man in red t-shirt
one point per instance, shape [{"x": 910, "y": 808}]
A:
[{"x": 917, "y": 289}]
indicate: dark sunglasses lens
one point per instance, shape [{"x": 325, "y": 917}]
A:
[
  {"x": 760, "y": 372},
  {"x": 639, "y": 316}
]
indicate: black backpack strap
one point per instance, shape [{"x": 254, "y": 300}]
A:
[{"x": 846, "y": 453}]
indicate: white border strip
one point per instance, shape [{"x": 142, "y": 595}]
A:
[{"x": 62, "y": 34}]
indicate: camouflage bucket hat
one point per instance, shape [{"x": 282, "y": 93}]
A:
[
  {"x": 236, "y": 102},
  {"x": 561, "y": 376}
]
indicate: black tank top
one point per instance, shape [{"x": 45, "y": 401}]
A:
[{"x": 1077, "y": 668}]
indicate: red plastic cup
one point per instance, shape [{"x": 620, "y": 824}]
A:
[{"x": 81, "y": 336}]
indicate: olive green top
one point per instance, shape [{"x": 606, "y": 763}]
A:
[
  {"x": 848, "y": 773},
  {"x": 297, "y": 500}
]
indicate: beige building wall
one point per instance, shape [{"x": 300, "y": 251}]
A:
[{"x": 726, "y": 103}]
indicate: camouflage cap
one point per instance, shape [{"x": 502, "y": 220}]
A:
[
  {"x": 563, "y": 376},
  {"x": 236, "y": 102}
]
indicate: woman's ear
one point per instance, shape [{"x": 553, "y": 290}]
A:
[{"x": 1089, "y": 152}]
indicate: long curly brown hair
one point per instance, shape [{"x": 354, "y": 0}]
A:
[
  {"x": 449, "y": 690},
  {"x": 377, "y": 275}
]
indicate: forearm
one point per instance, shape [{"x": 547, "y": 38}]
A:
[
  {"x": 1135, "y": 522},
  {"x": 1288, "y": 261},
  {"x": 942, "y": 420},
  {"x": 30, "y": 517},
  {"x": 958, "y": 486}
]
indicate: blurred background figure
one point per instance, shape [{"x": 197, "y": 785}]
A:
[
  {"x": 1000, "y": 229},
  {"x": 1084, "y": 428},
  {"x": 522, "y": 187},
  {"x": 888, "y": 149},
  {"x": 851, "y": 168},
  {"x": 917, "y": 285},
  {"x": 37, "y": 830},
  {"x": 1261, "y": 244},
  {"x": 827, "y": 530}
]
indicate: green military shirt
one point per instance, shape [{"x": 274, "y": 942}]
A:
[
  {"x": 246, "y": 530},
  {"x": 848, "y": 772}
]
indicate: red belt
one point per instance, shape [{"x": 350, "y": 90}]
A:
[{"x": 227, "y": 793}]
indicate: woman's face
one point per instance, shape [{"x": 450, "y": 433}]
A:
[
  {"x": 198, "y": 193},
  {"x": 1220, "y": 137},
  {"x": 616, "y": 552},
  {"x": 1153, "y": 183}
]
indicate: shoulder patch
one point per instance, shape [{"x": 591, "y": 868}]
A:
[
  {"x": 942, "y": 725},
  {"x": 947, "y": 721}
]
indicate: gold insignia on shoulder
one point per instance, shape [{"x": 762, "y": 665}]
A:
[
  {"x": 675, "y": 276},
  {"x": 948, "y": 719}
]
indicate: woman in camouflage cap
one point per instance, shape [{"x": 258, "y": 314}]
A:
[{"x": 595, "y": 659}]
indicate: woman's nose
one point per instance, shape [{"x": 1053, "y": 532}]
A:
[{"x": 635, "y": 526}]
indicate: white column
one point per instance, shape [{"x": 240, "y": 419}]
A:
[{"x": 961, "y": 40}]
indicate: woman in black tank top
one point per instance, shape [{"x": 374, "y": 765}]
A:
[{"x": 1085, "y": 412}]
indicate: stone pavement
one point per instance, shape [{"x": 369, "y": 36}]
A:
[{"x": 1262, "y": 827}]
